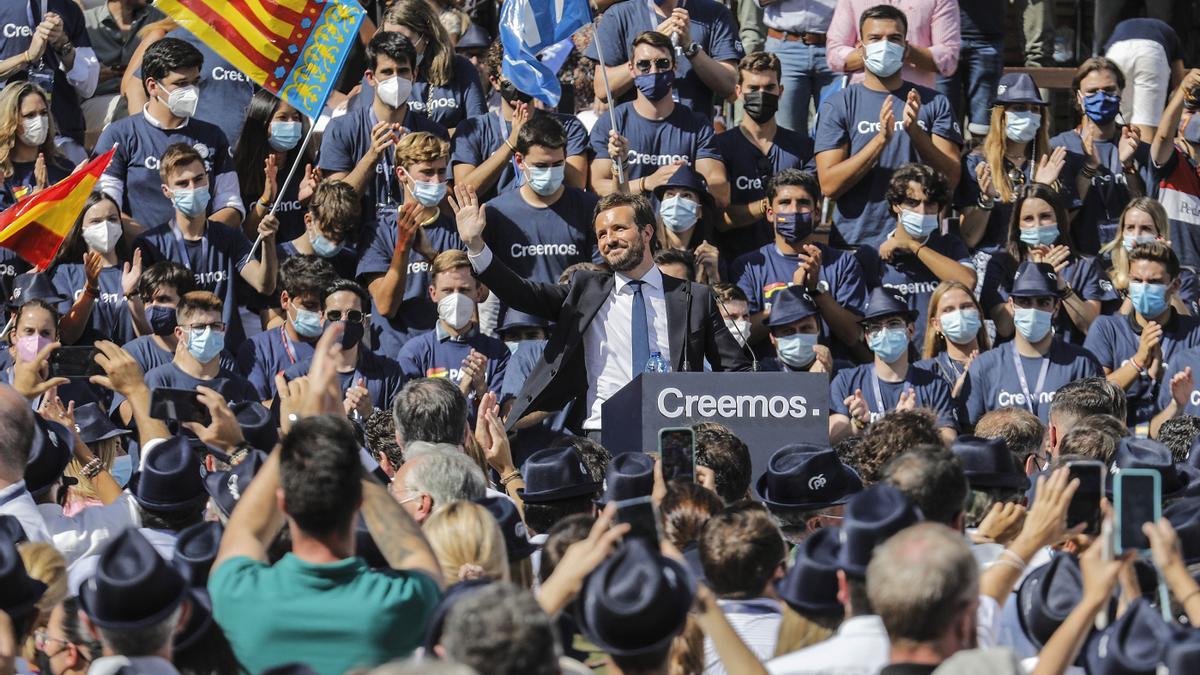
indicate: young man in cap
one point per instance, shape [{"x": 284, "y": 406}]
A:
[
  {"x": 1028, "y": 370},
  {"x": 794, "y": 327},
  {"x": 806, "y": 487},
  {"x": 862, "y": 395}
]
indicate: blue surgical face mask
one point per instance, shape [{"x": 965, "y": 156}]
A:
[
  {"x": 161, "y": 319},
  {"x": 1022, "y": 126},
  {"x": 205, "y": 344},
  {"x": 1033, "y": 324},
  {"x": 1043, "y": 235},
  {"x": 884, "y": 58},
  {"x": 888, "y": 344},
  {"x": 191, "y": 203},
  {"x": 1130, "y": 240},
  {"x": 961, "y": 325},
  {"x": 1149, "y": 300},
  {"x": 794, "y": 227},
  {"x": 322, "y": 246},
  {"x": 429, "y": 194},
  {"x": 306, "y": 323},
  {"x": 678, "y": 213},
  {"x": 796, "y": 350},
  {"x": 284, "y": 136},
  {"x": 545, "y": 180},
  {"x": 1101, "y": 108},
  {"x": 918, "y": 225},
  {"x": 655, "y": 86},
  {"x": 122, "y": 469},
  {"x": 512, "y": 346}
]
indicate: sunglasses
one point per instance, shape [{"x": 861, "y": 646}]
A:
[
  {"x": 660, "y": 64},
  {"x": 351, "y": 315}
]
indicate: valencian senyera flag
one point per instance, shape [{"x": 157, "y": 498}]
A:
[
  {"x": 35, "y": 227},
  {"x": 292, "y": 48}
]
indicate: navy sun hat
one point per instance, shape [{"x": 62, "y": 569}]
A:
[
  {"x": 516, "y": 535},
  {"x": 256, "y": 423},
  {"x": 886, "y": 302},
  {"x": 11, "y": 529},
  {"x": 1047, "y": 596},
  {"x": 450, "y": 597},
  {"x": 514, "y": 318},
  {"x": 1184, "y": 516},
  {"x": 170, "y": 478},
  {"x": 196, "y": 550},
  {"x": 474, "y": 38},
  {"x": 988, "y": 463},
  {"x": 34, "y": 286},
  {"x": 630, "y": 475},
  {"x": 1144, "y": 453},
  {"x": 636, "y": 601},
  {"x": 199, "y": 622},
  {"x": 871, "y": 517},
  {"x": 554, "y": 474},
  {"x": 689, "y": 179},
  {"x": 227, "y": 487},
  {"x": 1134, "y": 644},
  {"x": 94, "y": 425},
  {"x": 1034, "y": 280},
  {"x": 1018, "y": 88},
  {"x": 49, "y": 456},
  {"x": 789, "y": 305},
  {"x": 810, "y": 586},
  {"x": 19, "y": 592},
  {"x": 804, "y": 476},
  {"x": 1183, "y": 656},
  {"x": 133, "y": 586}
]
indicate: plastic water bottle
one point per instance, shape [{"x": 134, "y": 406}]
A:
[{"x": 657, "y": 364}]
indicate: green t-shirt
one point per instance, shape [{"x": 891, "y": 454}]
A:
[{"x": 333, "y": 617}]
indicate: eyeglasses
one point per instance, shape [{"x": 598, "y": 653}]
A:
[
  {"x": 41, "y": 638},
  {"x": 351, "y": 315},
  {"x": 217, "y": 326},
  {"x": 660, "y": 64},
  {"x": 894, "y": 324}
]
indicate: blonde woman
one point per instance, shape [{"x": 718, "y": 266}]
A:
[
  {"x": 467, "y": 542},
  {"x": 44, "y": 563},
  {"x": 1143, "y": 220},
  {"x": 1015, "y": 152},
  {"x": 954, "y": 333},
  {"x": 106, "y": 442},
  {"x": 29, "y": 160}
]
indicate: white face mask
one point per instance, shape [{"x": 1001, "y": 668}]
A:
[
  {"x": 456, "y": 310},
  {"x": 739, "y": 329},
  {"x": 182, "y": 101},
  {"x": 35, "y": 129},
  {"x": 102, "y": 237},
  {"x": 394, "y": 91}
]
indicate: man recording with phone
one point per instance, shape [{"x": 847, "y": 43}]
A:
[{"x": 606, "y": 325}]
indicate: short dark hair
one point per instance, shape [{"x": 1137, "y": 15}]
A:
[
  {"x": 676, "y": 256},
  {"x": 729, "y": 292},
  {"x": 1156, "y": 251},
  {"x": 171, "y": 521},
  {"x": 501, "y": 629},
  {"x": 1094, "y": 64},
  {"x": 1021, "y": 430},
  {"x": 805, "y": 180},
  {"x": 169, "y": 55},
  {"x": 595, "y": 456},
  {"x": 392, "y": 45},
  {"x": 1178, "y": 433},
  {"x": 336, "y": 207},
  {"x": 73, "y": 628},
  {"x": 1087, "y": 396},
  {"x": 306, "y": 276},
  {"x": 850, "y": 451},
  {"x": 886, "y": 12},
  {"x": 728, "y": 456},
  {"x": 430, "y": 409},
  {"x": 542, "y": 129},
  {"x": 685, "y": 509},
  {"x": 573, "y": 528},
  {"x": 894, "y": 433},
  {"x": 760, "y": 62},
  {"x": 740, "y": 550},
  {"x": 543, "y": 516},
  {"x": 643, "y": 212},
  {"x": 166, "y": 273},
  {"x": 320, "y": 473},
  {"x": 932, "y": 182},
  {"x": 339, "y": 285},
  {"x": 381, "y": 437},
  {"x": 1089, "y": 442},
  {"x": 653, "y": 39},
  {"x": 933, "y": 478}
]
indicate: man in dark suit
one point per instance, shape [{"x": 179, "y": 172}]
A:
[{"x": 606, "y": 326}]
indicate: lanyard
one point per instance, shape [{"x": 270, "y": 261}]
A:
[
  {"x": 948, "y": 366},
  {"x": 182, "y": 249},
  {"x": 1041, "y": 383},
  {"x": 878, "y": 392},
  {"x": 389, "y": 173},
  {"x": 287, "y": 344}
]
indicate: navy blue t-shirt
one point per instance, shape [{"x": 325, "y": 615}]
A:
[
  {"x": 227, "y": 383},
  {"x": 135, "y": 164},
  {"x": 539, "y": 243},
  {"x": 479, "y": 136},
  {"x": 762, "y": 273},
  {"x": 682, "y": 135},
  {"x": 381, "y": 374},
  {"x": 980, "y": 19},
  {"x": 449, "y": 106},
  {"x": 1096, "y": 221},
  {"x": 748, "y": 169},
  {"x": 17, "y": 25},
  {"x": 265, "y": 355},
  {"x": 1083, "y": 274},
  {"x": 992, "y": 380},
  {"x": 1113, "y": 340},
  {"x": 930, "y": 389},
  {"x": 712, "y": 27},
  {"x": 850, "y": 118},
  {"x": 22, "y": 181},
  {"x": 430, "y": 355},
  {"x": 216, "y": 260},
  {"x": 911, "y": 278},
  {"x": 110, "y": 319},
  {"x": 149, "y": 355}
]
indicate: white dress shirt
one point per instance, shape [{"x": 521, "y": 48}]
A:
[
  {"x": 756, "y": 622},
  {"x": 16, "y": 501},
  {"x": 607, "y": 342},
  {"x": 860, "y": 647},
  {"x": 88, "y": 531}
]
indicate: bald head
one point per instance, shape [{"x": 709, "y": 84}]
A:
[{"x": 16, "y": 434}]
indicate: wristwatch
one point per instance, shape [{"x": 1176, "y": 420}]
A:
[
  {"x": 692, "y": 50},
  {"x": 820, "y": 289}
]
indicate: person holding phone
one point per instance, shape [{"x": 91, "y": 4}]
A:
[
  {"x": 1028, "y": 370},
  {"x": 35, "y": 326}
]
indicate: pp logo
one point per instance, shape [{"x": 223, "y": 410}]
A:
[
  {"x": 520, "y": 531},
  {"x": 583, "y": 468},
  {"x": 817, "y": 482},
  {"x": 1052, "y": 276},
  {"x": 203, "y": 150},
  {"x": 232, "y": 486}
]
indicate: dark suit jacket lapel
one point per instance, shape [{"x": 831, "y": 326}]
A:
[
  {"x": 677, "y": 330},
  {"x": 590, "y": 302}
]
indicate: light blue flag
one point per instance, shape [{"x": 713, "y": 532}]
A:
[{"x": 529, "y": 26}]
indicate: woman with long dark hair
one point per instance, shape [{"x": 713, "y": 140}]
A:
[{"x": 269, "y": 145}]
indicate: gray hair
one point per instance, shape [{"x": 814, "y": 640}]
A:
[
  {"x": 430, "y": 409},
  {"x": 501, "y": 629},
  {"x": 16, "y": 431},
  {"x": 425, "y": 666},
  {"x": 446, "y": 477},
  {"x": 146, "y": 641},
  {"x": 920, "y": 580}
]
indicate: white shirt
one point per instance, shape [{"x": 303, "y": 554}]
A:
[
  {"x": 756, "y": 621},
  {"x": 143, "y": 665},
  {"x": 86, "y": 533},
  {"x": 16, "y": 501},
  {"x": 860, "y": 647},
  {"x": 607, "y": 350}
]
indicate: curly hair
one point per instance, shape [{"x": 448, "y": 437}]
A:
[
  {"x": 932, "y": 182},
  {"x": 421, "y": 146},
  {"x": 895, "y": 433}
]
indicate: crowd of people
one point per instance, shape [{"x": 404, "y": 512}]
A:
[{"x": 327, "y": 395}]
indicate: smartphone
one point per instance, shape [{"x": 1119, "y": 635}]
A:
[
  {"x": 1085, "y": 505},
  {"x": 677, "y": 448},
  {"x": 641, "y": 516},
  {"x": 74, "y": 362},
  {"x": 1137, "y": 495},
  {"x": 177, "y": 405}
]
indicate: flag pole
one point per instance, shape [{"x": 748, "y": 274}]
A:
[
  {"x": 286, "y": 181},
  {"x": 618, "y": 164}
]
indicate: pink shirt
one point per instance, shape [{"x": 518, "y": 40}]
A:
[{"x": 933, "y": 24}]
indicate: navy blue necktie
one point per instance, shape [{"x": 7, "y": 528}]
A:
[{"x": 640, "y": 334}]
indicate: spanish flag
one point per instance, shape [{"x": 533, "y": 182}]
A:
[{"x": 35, "y": 227}]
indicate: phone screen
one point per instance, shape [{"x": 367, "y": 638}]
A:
[
  {"x": 1136, "y": 507},
  {"x": 1085, "y": 505},
  {"x": 177, "y": 405},
  {"x": 677, "y": 449},
  {"x": 74, "y": 362},
  {"x": 639, "y": 514}
]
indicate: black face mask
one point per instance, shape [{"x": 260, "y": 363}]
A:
[
  {"x": 510, "y": 93},
  {"x": 760, "y": 105}
]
